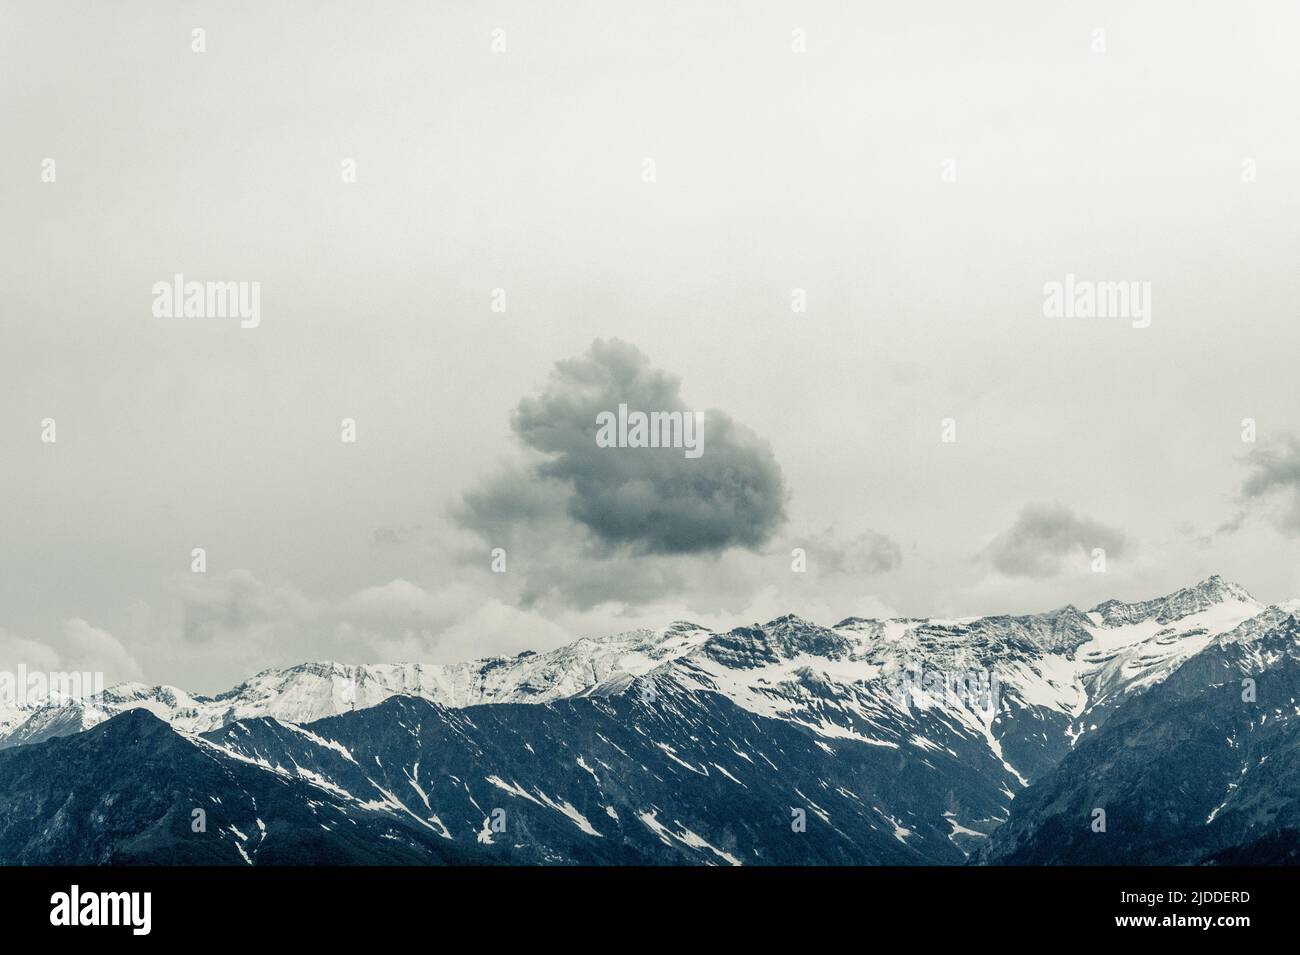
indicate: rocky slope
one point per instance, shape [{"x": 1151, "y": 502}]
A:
[
  {"x": 895, "y": 741},
  {"x": 1194, "y": 771}
]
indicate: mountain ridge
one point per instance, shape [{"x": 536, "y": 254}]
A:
[
  {"x": 314, "y": 689},
  {"x": 896, "y": 741}
]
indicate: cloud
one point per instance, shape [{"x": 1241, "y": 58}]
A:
[
  {"x": 514, "y": 503},
  {"x": 77, "y": 648},
  {"x": 638, "y": 501},
  {"x": 395, "y": 536},
  {"x": 236, "y": 624},
  {"x": 489, "y": 628},
  {"x": 1275, "y": 473},
  {"x": 238, "y": 603},
  {"x": 868, "y": 553},
  {"x": 93, "y": 649},
  {"x": 1044, "y": 536},
  {"x": 16, "y": 651},
  {"x": 398, "y": 599}
]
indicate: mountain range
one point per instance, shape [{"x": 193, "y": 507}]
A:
[{"x": 874, "y": 741}]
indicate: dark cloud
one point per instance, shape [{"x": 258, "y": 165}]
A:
[
  {"x": 550, "y": 555},
  {"x": 1275, "y": 473},
  {"x": 635, "y": 501},
  {"x": 1044, "y": 536},
  {"x": 514, "y": 504}
]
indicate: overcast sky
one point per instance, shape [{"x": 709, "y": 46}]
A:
[{"x": 524, "y": 170}]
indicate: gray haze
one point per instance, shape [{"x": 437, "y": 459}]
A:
[{"x": 826, "y": 170}]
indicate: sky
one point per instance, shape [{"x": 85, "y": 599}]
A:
[{"x": 649, "y": 190}]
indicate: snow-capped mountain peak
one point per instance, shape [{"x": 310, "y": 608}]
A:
[
  {"x": 840, "y": 679},
  {"x": 1211, "y": 592},
  {"x": 917, "y": 734}
]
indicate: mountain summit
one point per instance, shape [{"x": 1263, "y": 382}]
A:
[{"x": 902, "y": 740}]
